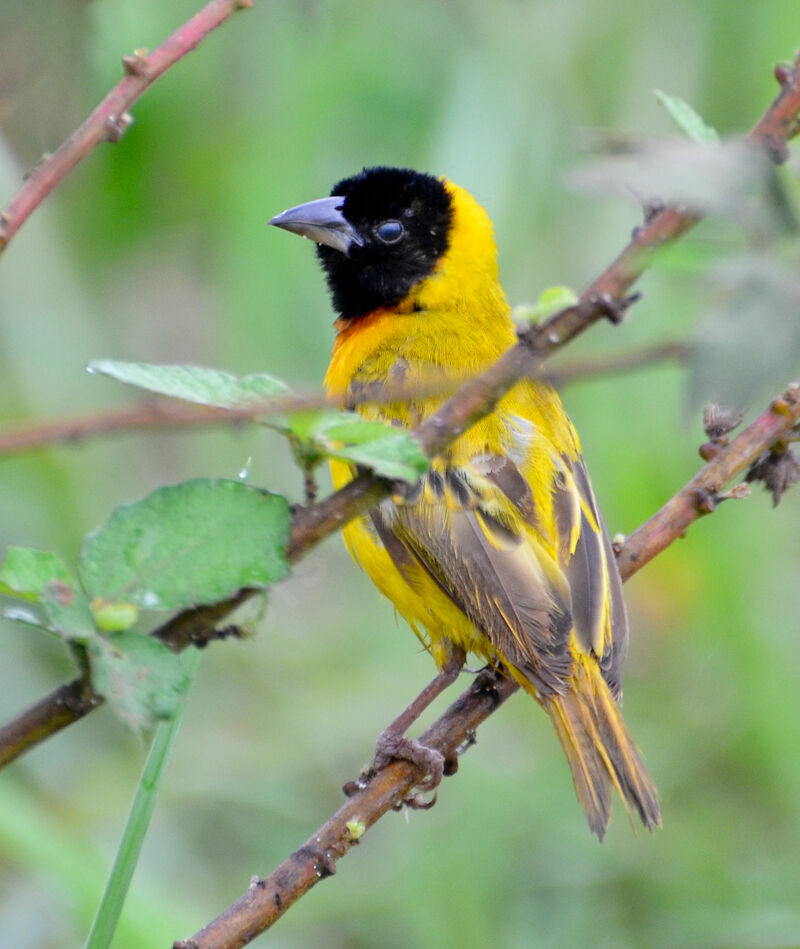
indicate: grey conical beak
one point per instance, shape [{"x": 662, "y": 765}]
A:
[{"x": 321, "y": 221}]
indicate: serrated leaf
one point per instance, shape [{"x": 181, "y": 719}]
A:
[
  {"x": 686, "y": 118},
  {"x": 26, "y": 572},
  {"x": 196, "y": 384},
  {"x": 139, "y": 676},
  {"x": 186, "y": 545}
]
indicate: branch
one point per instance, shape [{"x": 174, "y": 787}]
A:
[
  {"x": 147, "y": 415},
  {"x": 478, "y": 397},
  {"x": 578, "y": 370},
  {"x": 110, "y": 119},
  {"x": 701, "y": 494},
  {"x": 452, "y": 733},
  {"x": 156, "y": 414}
]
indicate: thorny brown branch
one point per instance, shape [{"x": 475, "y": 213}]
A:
[
  {"x": 110, "y": 119},
  {"x": 157, "y": 414}
]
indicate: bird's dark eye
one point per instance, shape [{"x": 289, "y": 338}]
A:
[{"x": 389, "y": 232}]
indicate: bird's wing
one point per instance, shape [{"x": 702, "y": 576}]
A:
[
  {"x": 600, "y": 624},
  {"x": 458, "y": 525},
  {"x": 526, "y": 573}
]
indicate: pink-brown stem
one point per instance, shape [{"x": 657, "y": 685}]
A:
[{"x": 110, "y": 119}]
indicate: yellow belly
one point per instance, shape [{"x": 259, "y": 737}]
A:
[{"x": 419, "y": 599}]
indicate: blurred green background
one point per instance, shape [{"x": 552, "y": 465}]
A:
[{"x": 157, "y": 249}]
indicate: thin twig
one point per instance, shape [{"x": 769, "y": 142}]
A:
[
  {"x": 160, "y": 414},
  {"x": 110, "y": 119},
  {"x": 597, "y": 366}
]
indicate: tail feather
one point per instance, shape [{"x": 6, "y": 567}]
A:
[{"x": 600, "y": 750}]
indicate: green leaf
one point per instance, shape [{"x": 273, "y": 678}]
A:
[
  {"x": 26, "y": 572},
  {"x": 551, "y": 301},
  {"x": 327, "y": 433},
  {"x": 42, "y": 577},
  {"x": 186, "y": 545},
  {"x": 139, "y": 676},
  {"x": 194, "y": 383},
  {"x": 685, "y": 117}
]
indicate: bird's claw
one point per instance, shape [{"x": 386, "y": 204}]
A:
[{"x": 391, "y": 747}]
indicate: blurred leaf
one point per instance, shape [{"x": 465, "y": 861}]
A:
[
  {"x": 41, "y": 576},
  {"x": 728, "y": 180},
  {"x": 750, "y": 340},
  {"x": 685, "y": 117},
  {"x": 194, "y": 383},
  {"x": 326, "y": 433},
  {"x": 26, "y": 572},
  {"x": 139, "y": 676},
  {"x": 551, "y": 301},
  {"x": 187, "y": 544},
  {"x": 68, "y": 610}
]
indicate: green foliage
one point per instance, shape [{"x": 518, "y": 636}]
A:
[
  {"x": 186, "y": 545},
  {"x": 195, "y": 383},
  {"x": 181, "y": 546},
  {"x": 138, "y": 675},
  {"x": 685, "y": 117},
  {"x": 314, "y": 435},
  {"x": 388, "y": 451},
  {"x": 551, "y": 301}
]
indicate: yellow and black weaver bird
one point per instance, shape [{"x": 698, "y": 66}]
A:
[{"x": 500, "y": 549}]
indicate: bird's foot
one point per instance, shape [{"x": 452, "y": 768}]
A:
[{"x": 392, "y": 747}]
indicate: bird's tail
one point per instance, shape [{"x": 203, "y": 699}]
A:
[{"x": 600, "y": 751}]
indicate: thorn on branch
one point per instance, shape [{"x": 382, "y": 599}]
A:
[
  {"x": 776, "y": 147},
  {"x": 784, "y": 73},
  {"x": 651, "y": 208},
  {"x": 116, "y": 126},
  {"x": 135, "y": 64},
  {"x": 706, "y": 501},
  {"x": 614, "y": 308},
  {"x": 323, "y": 860}
]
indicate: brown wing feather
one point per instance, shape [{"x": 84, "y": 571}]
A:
[
  {"x": 507, "y": 585},
  {"x": 598, "y": 607}
]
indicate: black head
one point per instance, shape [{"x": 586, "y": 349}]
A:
[{"x": 379, "y": 234}]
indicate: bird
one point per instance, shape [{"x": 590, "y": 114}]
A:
[{"x": 500, "y": 549}]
